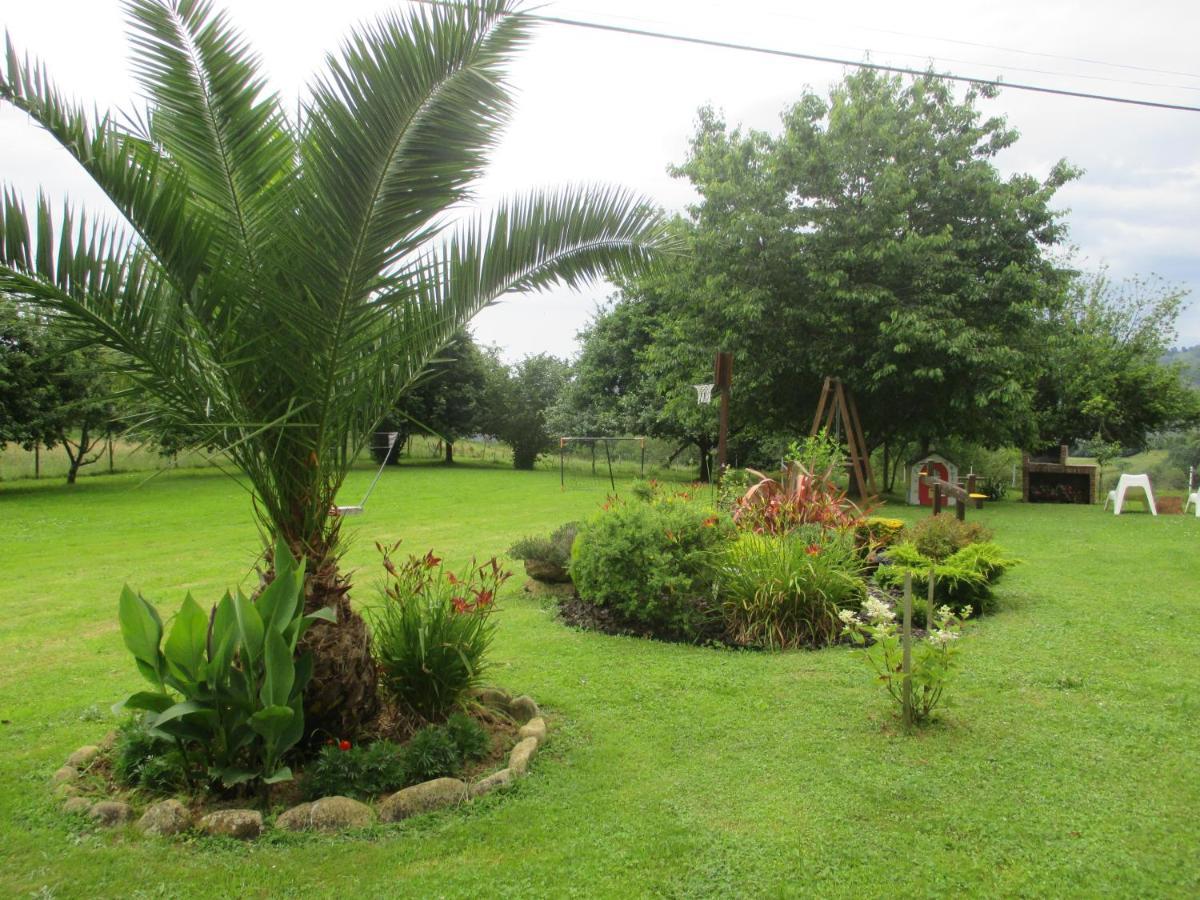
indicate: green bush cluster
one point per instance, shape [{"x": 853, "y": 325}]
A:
[
  {"x": 367, "y": 771},
  {"x": 939, "y": 537},
  {"x": 653, "y": 563},
  {"x": 140, "y": 759},
  {"x": 963, "y": 579}
]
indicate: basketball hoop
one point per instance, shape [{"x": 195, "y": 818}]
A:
[{"x": 704, "y": 392}]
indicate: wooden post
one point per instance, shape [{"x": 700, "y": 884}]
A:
[
  {"x": 906, "y": 664},
  {"x": 937, "y": 498},
  {"x": 723, "y": 376},
  {"x": 960, "y": 508}
]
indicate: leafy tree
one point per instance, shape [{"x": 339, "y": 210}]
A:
[
  {"x": 51, "y": 394},
  {"x": 872, "y": 239},
  {"x": 448, "y": 401},
  {"x": 518, "y": 400},
  {"x": 284, "y": 281},
  {"x": 1101, "y": 376}
]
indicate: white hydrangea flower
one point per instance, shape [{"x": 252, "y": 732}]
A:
[
  {"x": 847, "y": 616},
  {"x": 943, "y": 636},
  {"x": 877, "y": 610}
]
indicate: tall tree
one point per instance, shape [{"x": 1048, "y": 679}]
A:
[
  {"x": 448, "y": 402},
  {"x": 283, "y": 281},
  {"x": 518, "y": 400},
  {"x": 872, "y": 239},
  {"x": 1102, "y": 378}
]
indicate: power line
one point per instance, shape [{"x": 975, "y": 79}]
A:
[
  {"x": 776, "y": 14},
  {"x": 813, "y": 57}
]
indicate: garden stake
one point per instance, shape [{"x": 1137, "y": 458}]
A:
[
  {"x": 929, "y": 603},
  {"x": 906, "y": 665}
]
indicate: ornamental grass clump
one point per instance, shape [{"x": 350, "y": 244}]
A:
[
  {"x": 784, "y": 592},
  {"x": 964, "y": 578},
  {"x": 433, "y": 630}
]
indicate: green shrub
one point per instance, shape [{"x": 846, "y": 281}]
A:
[
  {"x": 937, "y": 537},
  {"x": 785, "y": 591},
  {"x": 360, "y": 771},
  {"x": 555, "y": 549},
  {"x": 653, "y": 565},
  {"x": 228, "y": 684},
  {"x": 433, "y": 630},
  {"x": 469, "y": 736},
  {"x": 964, "y": 578},
  {"x": 142, "y": 760},
  {"x": 432, "y": 753},
  {"x": 876, "y": 532}
]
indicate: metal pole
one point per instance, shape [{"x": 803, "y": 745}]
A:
[{"x": 608, "y": 456}]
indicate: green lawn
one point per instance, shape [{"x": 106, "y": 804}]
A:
[{"x": 1067, "y": 767}]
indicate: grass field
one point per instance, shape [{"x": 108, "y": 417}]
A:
[{"x": 1067, "y": 767}]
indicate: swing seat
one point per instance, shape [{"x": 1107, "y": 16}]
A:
[{"x": 347, "y": 510}]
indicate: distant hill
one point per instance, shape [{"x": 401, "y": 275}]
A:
[{"x": 1190, "y": 357}]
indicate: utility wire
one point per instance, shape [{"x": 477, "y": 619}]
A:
[
  {"x": 776, "y": 14},
  {"x": 813, "y": 57}
]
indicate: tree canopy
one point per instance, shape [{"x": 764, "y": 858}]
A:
[{"x": 873, "y": 238}]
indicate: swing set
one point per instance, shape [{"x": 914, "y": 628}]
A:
[{"x": 392, "y": 437}]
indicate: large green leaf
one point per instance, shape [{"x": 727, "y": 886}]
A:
[
  {"x": 186, "y": 645},
  {"x": 250, "y": 628},
  {"x": 222, "y": 640},
  {"x": 279, "y": 671},
  {"x": 146, "y": 700},
  {"x": 271, "y": 722},
  {"x": 141, "y": 629}
]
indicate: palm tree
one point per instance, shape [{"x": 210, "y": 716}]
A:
[{"x": 279, "y": 281}]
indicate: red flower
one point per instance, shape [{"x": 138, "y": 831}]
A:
[
  {"x": 710, "y": 521},
  {"x": 460, "y": 605},
  {"x": 483, "y": 598},
  {"x": 813, "y": 549},
  {"x": 343, "y": 745},
  {"x": 431, "y": 560},
  {"x": 452, "y": 578}
]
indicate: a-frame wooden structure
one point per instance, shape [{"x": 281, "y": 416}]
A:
[{"x": 837, "y": 413}]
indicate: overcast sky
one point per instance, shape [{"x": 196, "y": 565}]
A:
[{"x": 615, "y": 108}]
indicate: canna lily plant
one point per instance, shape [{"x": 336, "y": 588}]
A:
[{"x": 279, "y": 280}]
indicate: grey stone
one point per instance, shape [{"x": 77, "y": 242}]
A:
[
  {"x": 294, "y": 819},
  {"x": 65, "y": 789},
  {"x": 83, "y": 757},
  {"x": 499, "y": 779},
  {"x": 518, "y": 759},
  {"x": 523, "y": 709},
  {"x": 494, "y": 698},
  {"x": 535, "y": 728},
  {"x": 326, "y": 814},
  {"x": 66, "y": 773},
  {"x": 422, "y": 798},
  {"x": 108, "y": 741},
  {"x": 111, "y": 812},
  {"x": 244, "y": 824},
  {"x": 77, "y": 806},
  {"x": 165, "y": 818}
]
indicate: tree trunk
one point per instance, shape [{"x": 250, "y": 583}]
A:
[
  {"x": 342, "y": 697},
  {"x": 449, "y": 453},
  {"x": 705, "y": 446}
]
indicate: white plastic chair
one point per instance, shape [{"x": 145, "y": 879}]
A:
[
  {"x": 1193, "y": 500},
  {"x": 1117, "y": 497}
]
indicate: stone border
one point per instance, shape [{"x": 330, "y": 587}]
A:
[{"x": 167, "y": 818}]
